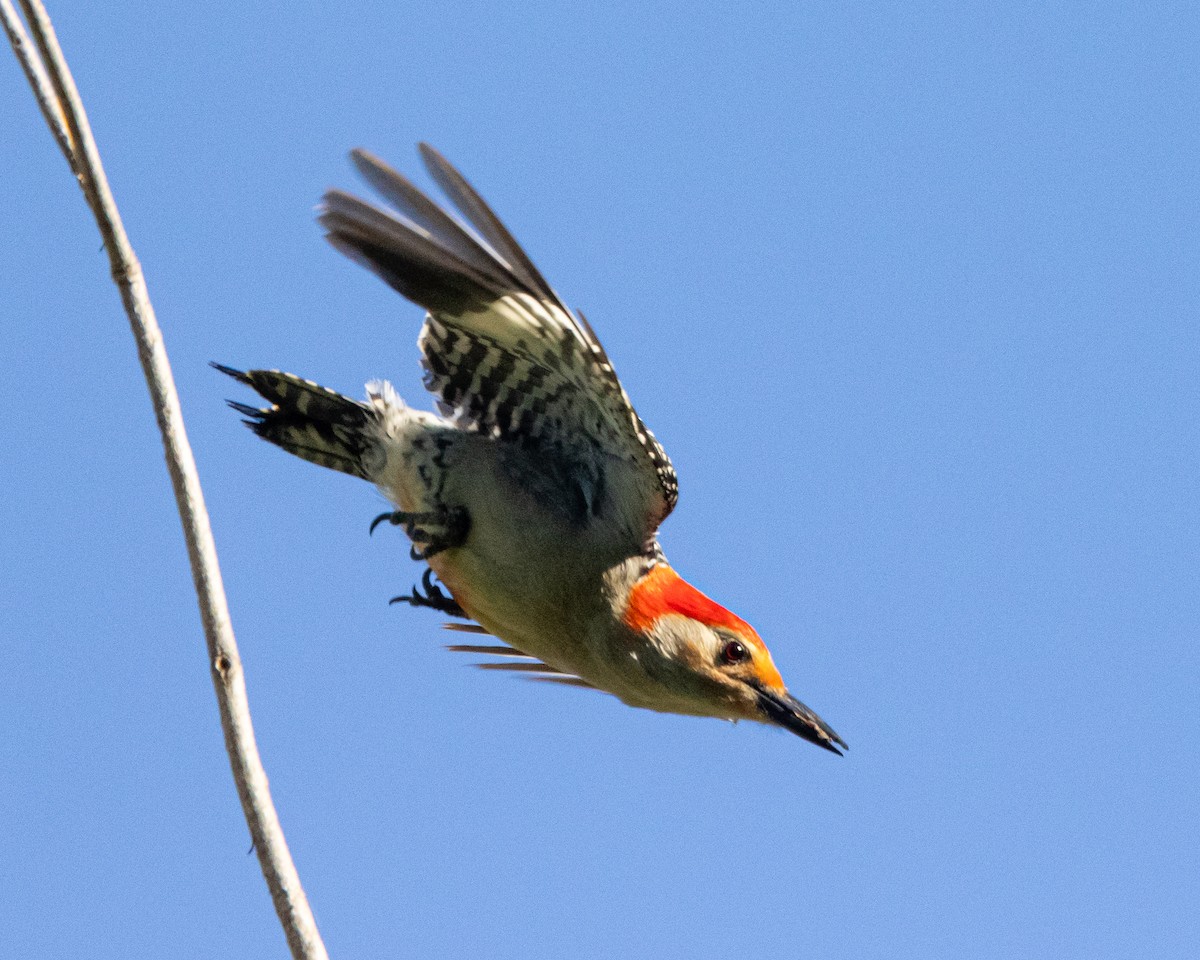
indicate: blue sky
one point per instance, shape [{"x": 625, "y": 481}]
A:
[{"x": 909, "y": 292}]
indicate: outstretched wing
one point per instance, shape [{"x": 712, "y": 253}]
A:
[{"x": 503, "y": 354}]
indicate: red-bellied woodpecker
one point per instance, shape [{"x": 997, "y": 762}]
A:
[{"x": 537, "y": 493}]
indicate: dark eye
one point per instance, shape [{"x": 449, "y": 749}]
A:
[{"x": 734, "y": 652}]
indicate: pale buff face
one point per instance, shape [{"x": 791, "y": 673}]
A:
[
  {"x": 724, "y": 672},
  {"x": 714, "y": 671}
]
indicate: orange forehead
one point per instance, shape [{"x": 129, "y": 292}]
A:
[{"x": 663, "y": 591}]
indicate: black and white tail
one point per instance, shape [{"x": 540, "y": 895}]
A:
[{"x": 311, "y": 421}]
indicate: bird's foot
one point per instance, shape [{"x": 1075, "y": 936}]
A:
[
  {"x": 432, "y": 531},
  {"x": 433, "y": 597},
  {"x": 409, "y": 521}
]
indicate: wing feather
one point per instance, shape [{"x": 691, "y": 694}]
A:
[
  {"x": 516, "y": 666},
  {"x": 503, "y": 354},
  {"x": 467, "y": 628},
  {"x": 566, "y": 681},
  {"x": 491, "y": 650},
  {"x": 480, "y": 215},
  {"x": 517, "y": 662},
  {"x": 427, "y": 216}
]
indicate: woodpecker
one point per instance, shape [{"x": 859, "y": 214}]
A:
[{"x": 536, "y": 492}]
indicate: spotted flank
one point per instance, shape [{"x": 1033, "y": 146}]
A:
[{"x": 503, "y": 354}]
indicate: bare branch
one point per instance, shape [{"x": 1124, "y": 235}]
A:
[
  {"x": 54, "y": 88},
  {"x": 31, "y": 63}
]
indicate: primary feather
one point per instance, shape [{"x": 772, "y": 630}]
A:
[{"x": 502, "y": 352}]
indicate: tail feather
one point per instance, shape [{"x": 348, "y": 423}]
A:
[{"x": 308, "y": 420}]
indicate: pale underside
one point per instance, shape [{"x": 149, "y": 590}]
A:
[{"x": 534, "y": 424}]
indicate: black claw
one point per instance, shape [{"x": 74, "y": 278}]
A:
[
  {"x": 397, "y": 518},
  {"x": 433, "y": 597},
  {"x": 412, "y": 522},
  {"x": 377, "y": 521},
  {"x": 421, "y": 554},
  {"x": 430, "y": 549},
  {"x": 454, "y": 526}
]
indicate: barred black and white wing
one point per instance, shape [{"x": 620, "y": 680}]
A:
[{"x": 503, "y": 354}]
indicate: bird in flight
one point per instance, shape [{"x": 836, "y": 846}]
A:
[{"x": 535, "y": 493}]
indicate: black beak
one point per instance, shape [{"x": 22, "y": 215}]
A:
[{"x": 785, "y": 710}]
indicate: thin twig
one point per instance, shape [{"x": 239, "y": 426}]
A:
[
  {"x": 55, "y": 91},
  {"x": 31, "y": 63}
]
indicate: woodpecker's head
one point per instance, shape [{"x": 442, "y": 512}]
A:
[{"x": 708, "y": 662}]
